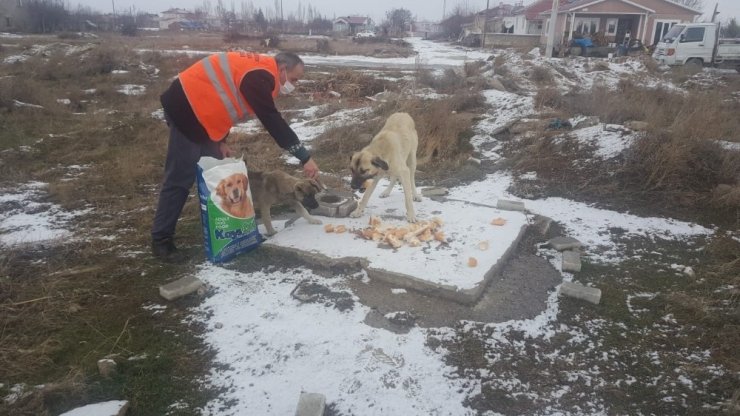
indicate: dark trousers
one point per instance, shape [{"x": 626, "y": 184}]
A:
[{"x": 180, "y": 169}]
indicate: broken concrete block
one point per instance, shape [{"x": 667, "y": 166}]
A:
[
  {"x": 435, "y": 191},
  {"x": 107, "y": 367},
  {"x": 473, "y": 161},
  {"x": 564, "y": 243},
  {"x": 615, "y": 128},
  {"x": 587, "y": 122},
  {"x": 574, "y": 290},
  {"x": 571, "y": 261},
  {"x": 180, "y": 287},
  {"x": 311, "y": 404},
  {"x": 510, "y": 205}
]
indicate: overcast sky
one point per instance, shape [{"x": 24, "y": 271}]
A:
[{"x": 422, "y": 9}]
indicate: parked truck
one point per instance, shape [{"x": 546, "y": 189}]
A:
[{"x": 698, "y": 45}]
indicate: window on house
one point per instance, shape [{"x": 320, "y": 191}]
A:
[
  {"x": 586, "y": 25},
  {"x": 539, "y": 25},
  {"x": 7, "y": 21},
  {"x": 611, "y": 27},
  {"x": 694, "y": 34}
]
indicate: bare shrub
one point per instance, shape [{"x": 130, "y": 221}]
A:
[
  {"x": 349, "y": 83},
  {"x": 449, "y": 82},
  {"x": 541, "y": 75},
  {"x": 466, "y": 101},
  {"x": 472, "y": 69},
  {"x": 548, "y": 97}
]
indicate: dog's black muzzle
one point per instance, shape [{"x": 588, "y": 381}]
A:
[{"x": 310, "y": 202}]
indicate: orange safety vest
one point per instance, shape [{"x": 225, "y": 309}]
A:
[{"x": 212, "y": 88}]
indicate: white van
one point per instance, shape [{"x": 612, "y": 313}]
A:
[{"x": 697, "y": 45}]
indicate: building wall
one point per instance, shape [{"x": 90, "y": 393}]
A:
[
  {"x": 508, "y": 40},
  {"x": 12, "y": 16}
]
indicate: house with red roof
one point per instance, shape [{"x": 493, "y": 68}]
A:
[{"x": 613, "y": 21}]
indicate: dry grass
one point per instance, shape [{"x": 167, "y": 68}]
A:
[
  {"x": 350, "y": 84},
  {"x": 541, "y": 75}
]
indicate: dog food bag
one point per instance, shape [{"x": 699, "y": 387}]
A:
[{"x": 226, "y": 208}]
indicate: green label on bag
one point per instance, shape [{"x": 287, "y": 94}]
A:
[{"x": 225, "y": 229}]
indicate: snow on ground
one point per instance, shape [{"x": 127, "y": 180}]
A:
[
  {"x": 131, "y": 89},
  {"x": 110, "y": 408},
  {"x": 608, "y": 144},
  {"x": 591, "y": 225},
  {"x": 274, "y": 347},
  {"x": 25, "y": 218},
  {"x": 506, "y": 108}
]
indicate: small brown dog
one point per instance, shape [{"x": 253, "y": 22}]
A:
[
  {"x": 269, "y": 188},
  {"x": 233, "y": 193}
]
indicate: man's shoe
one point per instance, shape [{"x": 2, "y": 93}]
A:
[{"x": 166, "y": 250}]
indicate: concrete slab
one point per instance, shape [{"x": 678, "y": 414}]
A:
[
  {"x": 311, "y": 404},
  {"x": 440, "y": 269},
  {"x": 571, "y": 261},
  {"x": 180, "y": 287},
  {"x": 575, "y": 290}
]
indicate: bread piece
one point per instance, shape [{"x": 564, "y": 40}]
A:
[
  {"x": 339, "y": 229},
  {"x": 329, "y": 228},
  {"x": 483, "y": 245},
  {"x": 472, "y": 262},
  {"x": 498, "y": 221}
]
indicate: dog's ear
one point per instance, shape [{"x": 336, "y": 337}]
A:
[
  {"x": 245, "y": 182},
  {"x": 220, "y": 189},
  {"x": 379, "y": 163}
]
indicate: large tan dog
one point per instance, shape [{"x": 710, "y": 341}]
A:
[
  {"x": 270, "y": 188},
  {"x": 391, "y": 153}
]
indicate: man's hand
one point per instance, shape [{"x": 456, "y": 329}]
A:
[
  {"x": 225, "y": 150},
  {"x": 311, "y": 169}
]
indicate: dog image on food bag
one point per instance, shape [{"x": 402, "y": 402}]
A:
[
  {"x": 233, "y": 193},
  {"x": 227, "y": 208},
  {"x": 391, "y": 153}
]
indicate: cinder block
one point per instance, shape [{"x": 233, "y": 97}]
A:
[
  {"x": 334, "y": 204},
  {"x": 107, "y": 367},
  {"x": 564, "y": 243},
  {"x": 311, "y": 404},
  {"x": 571, "y": 261},
  {"x": 574, "y": 290},
  {"x": 435, "y": 191},
  {"x": 180, "y": 288},
  {"x": 510, "y": 205}
]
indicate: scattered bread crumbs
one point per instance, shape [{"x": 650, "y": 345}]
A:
[
  {"x": 498, "y": 221},
  {"x": 329, "y": 228},
  {"x": 483, "y": 245},
  {"x": 412, "y": 235},
  {"x": 472, "y": 262}
]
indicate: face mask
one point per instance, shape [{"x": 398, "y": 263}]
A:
[{"x": 287, "y": 88}]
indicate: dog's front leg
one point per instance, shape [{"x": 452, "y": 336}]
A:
[
  {"x": 363, "y": 202},
  {"x": 267, "y": 220},
  {"x": 408, "y": 194},
  {"x": 388, "y": 190},
  {"x": 299, "y": 208}
]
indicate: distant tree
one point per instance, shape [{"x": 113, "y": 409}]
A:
[
  {"x": 320, "y": 25},
  {"x": 452, "y": 25},
  {"x": 398, "y": 20},
  {"x": 260, "y": 21},
  {"x": 46, "y": 15},
  {"x": 694, "y": 4},
  {"x": 731, "y": 29}
]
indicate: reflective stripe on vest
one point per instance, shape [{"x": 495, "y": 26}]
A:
[{"x": 212, "y": 87}]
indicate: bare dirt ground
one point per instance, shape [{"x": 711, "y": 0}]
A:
[{"x": 661, "y": 341}]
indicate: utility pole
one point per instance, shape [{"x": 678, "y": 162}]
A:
[
  {"x": 714, "y": 14},
  {"x": 282, "y": 17},
  {"x": 114, "y": 14},
  {"x": 551, "y": 29},
  {"x": 485, "y": 23},
  {"x": 444, "y": 9}
]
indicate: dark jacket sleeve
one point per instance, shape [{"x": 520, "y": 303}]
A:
[{"x": 257, "y": 87}]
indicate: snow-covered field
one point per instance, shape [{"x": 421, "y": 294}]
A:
[{"x": 269, "y": 347}]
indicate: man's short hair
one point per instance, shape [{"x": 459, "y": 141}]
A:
[{"x": 288, "y": 60}]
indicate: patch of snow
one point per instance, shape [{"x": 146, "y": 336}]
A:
[
  {"x": 274, "y": 347},
  {"x": 119, "y": 72},
  {"x": 608, "y": 144},
  {"x": 7, "y": 35},
  {"x": 15, "y": 59},
  {"x": 583, "y": 221},
  {"x": 22, "y": 104},
  {"x": 25, "y": 219},
  {"x": 109, "y": 408},
  {"x": 132, "y": 89},
  {"x": 733, "y": 146},
  {"x": 396, "y": 291}
]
